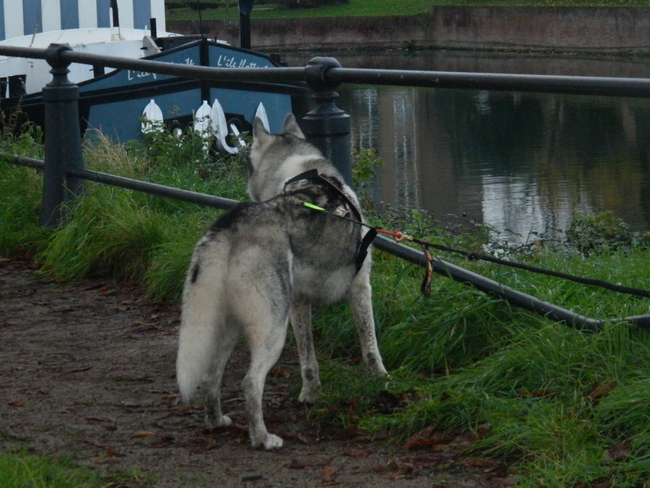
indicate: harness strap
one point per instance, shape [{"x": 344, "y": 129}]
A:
[
  {"x": 312, "y": 175},
  {"x": 362, "y": 252}
]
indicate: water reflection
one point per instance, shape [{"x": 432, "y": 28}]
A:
[
  {"x": 523, "y": 163},
  {"x": 520, "y": 162}
]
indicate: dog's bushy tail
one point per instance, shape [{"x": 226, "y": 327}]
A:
[{"x": 202, "y": 321}]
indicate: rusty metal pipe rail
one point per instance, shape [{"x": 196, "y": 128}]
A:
[
  {"x": 333, "y": 75},
  {"x": 131, "y": 184},
  {"x": 581, "y": 85},
  {"x": 456, "y": 273}
]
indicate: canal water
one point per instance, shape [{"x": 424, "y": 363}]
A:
[{"x": 522, "y": 163}]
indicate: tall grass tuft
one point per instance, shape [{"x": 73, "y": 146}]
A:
[
  {"x": 20, "y": 232},
  {"x": 116, "y": 232},
  {"x": 20, "y": 190},
  {"x": 117, "y": 239}
]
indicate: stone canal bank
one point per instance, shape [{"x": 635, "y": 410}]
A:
[{"x": 611, "y": 31}]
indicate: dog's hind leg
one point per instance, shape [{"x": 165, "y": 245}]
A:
[
  {"x": 301, "y": 324},
  {"x": 266, "y": 340},
  {"x": 360, "y": 299},
  {"x": 212, "y": 384}
]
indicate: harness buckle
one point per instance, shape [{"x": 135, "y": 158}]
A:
[{"x": 342, "y": 210}]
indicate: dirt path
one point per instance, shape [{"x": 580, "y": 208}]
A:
[{"x": 87, "y": 369}]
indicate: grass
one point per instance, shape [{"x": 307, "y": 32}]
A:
[
  {"x": 560, "y": 407},
  {"x": 21, "y": 470},
  {"x": 129, "y": 238},
  {"x": 372, "y": 8}
]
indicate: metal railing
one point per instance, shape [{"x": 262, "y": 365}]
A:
[{"x": 327, "y": 126}]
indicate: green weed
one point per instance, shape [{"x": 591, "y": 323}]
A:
[{"x": 19, "y": 470}]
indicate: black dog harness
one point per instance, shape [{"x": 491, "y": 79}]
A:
[{"x": 347, "y": 210}]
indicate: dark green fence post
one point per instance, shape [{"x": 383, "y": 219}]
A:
[
  {"x": 327, "y": 126},
  {"x": 245, "y": 10},
  {"x": 62, "y": 139}
]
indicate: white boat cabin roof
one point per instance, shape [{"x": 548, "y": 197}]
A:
[
  {"x": 28, "y": 17},
  {"x": 86, "y": 25}
]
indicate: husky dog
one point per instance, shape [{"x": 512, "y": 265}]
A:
[{"x": 266, "y": 263}]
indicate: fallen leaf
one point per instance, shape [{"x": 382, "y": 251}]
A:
[
  {"x": 617, "y": 453},
  {"x": 360, "y": 453},
  {"x": 465, "y": 440},
  {"x": 285, "y": 373},
  {"x": 491, "y": 467},
  {"x": 80, "y": 369},
  {"x": 298, "y": 436},
  {"x": 100, "y": 419},
  {"x": 329, "y": 475},
  {"x": 138, "y": 435},
  {"x": 295, "y": 464},
  {"x": 252, "y": 477},
  {"x": 501, "y": 483},
  {"x": 603, "y": 389},
  {"x": 17, "y": 404},
  {"x": 93, "y": 442},
  {"x": 479, "y": 463},
  {"x": 111, "y": 451},
  {"x": 403, "y": 467},
  {"x": 500, "y": 470},
  {"x": 130, "y": 404},
  {"x": 422, "y": 439}
]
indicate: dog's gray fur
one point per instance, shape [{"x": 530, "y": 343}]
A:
[{"x": 264, "y": 264}]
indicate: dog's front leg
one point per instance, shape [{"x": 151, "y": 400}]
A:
[
  {"x": 301, "y": 322},
  {"x": 360, "y": 299}
]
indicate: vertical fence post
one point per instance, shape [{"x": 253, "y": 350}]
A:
[
  {"x": 245, "y": 10},
  {"x": 327, "y": 126},
  {"x": 62, "y": 139}
]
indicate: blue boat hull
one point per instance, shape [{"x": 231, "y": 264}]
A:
[{"x": 113, "y": 103}]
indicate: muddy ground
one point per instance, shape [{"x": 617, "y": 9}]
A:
[{"x": 87, "y": 370}]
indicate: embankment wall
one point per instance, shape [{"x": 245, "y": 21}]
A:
[{"x": 555, "y": 29}]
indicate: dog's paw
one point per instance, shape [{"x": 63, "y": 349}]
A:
[
  {"x": 375, "y": 366},
  {"x": 269, "y": 442},
  {"x": 214, "y": 422},
  {"x": 309, "y": 395},
  {"x": 380, "y": 371},
  {"x": 225, "y": 421}
]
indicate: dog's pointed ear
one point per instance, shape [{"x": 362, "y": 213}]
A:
[
  {"x": 260, "y": 133},
  {"x": 262, "y": 140},
  {"x": 291, "y": 126}
]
